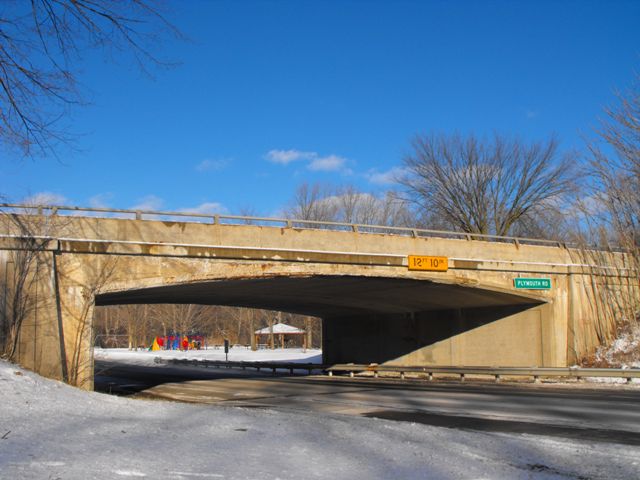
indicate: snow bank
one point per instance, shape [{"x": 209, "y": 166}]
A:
[
  {"x": 50, "y": 430},
  {"x": 624, "y": 351}
]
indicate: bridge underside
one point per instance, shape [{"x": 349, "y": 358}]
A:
[
  {"x": 369, "y": 319},
  {"x": 323, "y": 296}
]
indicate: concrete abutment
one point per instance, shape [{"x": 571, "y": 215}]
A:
[{"x": 487, "y": 336}]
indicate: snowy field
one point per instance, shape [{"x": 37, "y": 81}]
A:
[
  {"x": 237, "y": 354},
  {"x": 49, "y": 430}
]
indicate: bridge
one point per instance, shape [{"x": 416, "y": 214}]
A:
[{"x": 493, "y": 301}]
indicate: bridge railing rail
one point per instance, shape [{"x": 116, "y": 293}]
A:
[
  {"x": 427, "y": 371},
  {"x": 220, "y": 219}
]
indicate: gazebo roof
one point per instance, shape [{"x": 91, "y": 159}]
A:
[{"x": 279, "y": 328}]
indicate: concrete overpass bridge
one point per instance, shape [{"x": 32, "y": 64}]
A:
[{"x": 496, "y": 301}]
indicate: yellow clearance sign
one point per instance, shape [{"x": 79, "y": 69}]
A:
[{"x": 432, "y": 264}]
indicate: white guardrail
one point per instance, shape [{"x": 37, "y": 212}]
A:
[
  {"x": 217, "y": 219},
  {"x": 428, "y": 372}
]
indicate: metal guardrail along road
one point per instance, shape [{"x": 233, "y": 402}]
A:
[
  {"x": 496, "y": 372},
  {"x": 273, "y": 366},
  {"x": 429, "y": 371}
]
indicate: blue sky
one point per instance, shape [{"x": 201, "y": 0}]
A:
[{"x": 272, "y": 94}]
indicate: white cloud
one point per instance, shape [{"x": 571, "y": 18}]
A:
[
  {"x": 385, "y": 178},
  {"x": 330, "y": 163},
  {"x": 206, "y": 208},
  {"x": 45, "y": 198},
  {"x": 530, "y": 114},
  {"x": 150, "y": 202},
  {"x": 101, "y": 200},
  {"x": 211, "y": 165},
  {"x": 315, "y": 162},
  {"x": 284, "y": 157}
]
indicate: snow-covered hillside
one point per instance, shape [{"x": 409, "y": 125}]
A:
[
  {"x": 624, "y": 351},
  {"x": 52, "y": 431}
]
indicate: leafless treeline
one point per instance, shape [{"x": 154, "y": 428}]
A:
[
  {"x": 347, "y": 204},
  {"x": 136, "y": 326}
]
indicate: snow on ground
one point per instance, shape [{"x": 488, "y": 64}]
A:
[
  {"x": 624, "y": 351},
  {"x": 236, "y": 354},
  {"x": 49, "y": 430}
]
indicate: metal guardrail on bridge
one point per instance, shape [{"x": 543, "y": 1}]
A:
[
  {"x": 217, "y": 219},
  {"x": 498, "y": 373}
]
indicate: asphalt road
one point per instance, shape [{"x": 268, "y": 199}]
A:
[{"x": 599, "y": 414}]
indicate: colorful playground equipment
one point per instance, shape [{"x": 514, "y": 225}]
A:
[{"x": 178, "y": 342}]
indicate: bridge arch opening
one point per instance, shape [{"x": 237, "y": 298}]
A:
[{"x": 378, "y": 319}]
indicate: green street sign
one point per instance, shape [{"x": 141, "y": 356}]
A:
[{"x": 532, "y": 283}]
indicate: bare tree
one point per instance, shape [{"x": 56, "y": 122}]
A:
[
  {"x": 40, "y": 44},
  {"x": 347, "y": 204},
  {"x": 309, "y": 204},
  {"x": 615, "y": 169},
  {"x": 613, "y": 210},
  {"x": 386, "y": 209},
  {"x": 487, "y": 187}
]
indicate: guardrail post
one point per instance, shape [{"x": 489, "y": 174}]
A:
[
  {"x": 462, "y": 377},
  {"x": 628, "y": 379},
  {"x": 375, "y": 374},
  {"x": 216, "y": 219},
  {"x": 497, "y": 378},
  {"x": 414, "y": 233},
  {"x": 351, "y": 374},
  {"x": 536, "y": 379},
  {"x": 330, "y": 373},
  {"x": 138, "y": 215},
  {"x": 354, "y": 228},
  {"x": 289, "y": 224},
  {"x": 430, "y": 376},
  {"x": 401, "y": 375}
]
